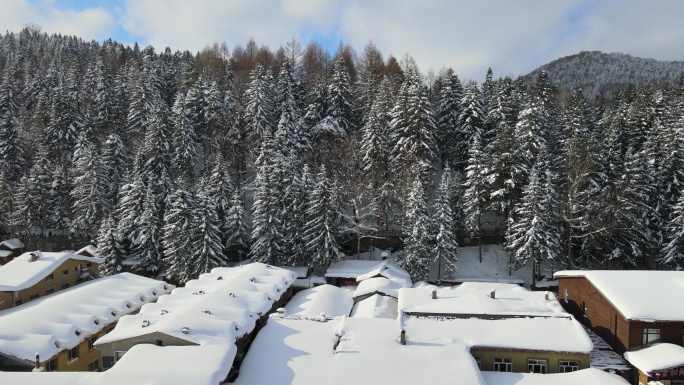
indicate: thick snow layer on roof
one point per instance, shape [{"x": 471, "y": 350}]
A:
[
  {"x": 390, "y": 271},
  {"x": 145, "y": 364},
  {"x": 657, "y": 357},
  {"x": 300, "y": 352},
  {"x": 583, "y": 377},
  {"x": 380, "y": 285},
  {"x": 64, "y": 319},
  {"x": 547, "y": 334},
  {"x": 359, "y": 269},
  {"x": 638, "y": 294},
  {"x": 12, "y": 243},
  {"x": 22, "y": 273},
  {"x": 90, "y": 249},
  {"x": 5, "y": 253},
  {"x": 376, "y": 306},
  {"x": 325, "y": 299},
  {"x": 219, "y": 306},
  {"x": 475, "y": 298},
  {"x": 300, "y": 271}
]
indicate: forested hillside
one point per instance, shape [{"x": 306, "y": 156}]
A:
[
  {"x": 598, "y": 72},
  {"x": 184, "y": 161}
]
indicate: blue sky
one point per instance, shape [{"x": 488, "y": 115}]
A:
[{"x": 512, "y": 37}]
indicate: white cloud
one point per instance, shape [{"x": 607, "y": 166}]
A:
[
  {"x": 89, "y": 23},
  {"x": 513, "y": 37}
]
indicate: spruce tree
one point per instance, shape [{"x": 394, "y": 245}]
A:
[
  {"x": 320, "y": 231},
  {"x": 206, "y": 247},
  {"x": 236, "y": 223},
  {"x": 446, "y": 244},
  {"x": 108, "y": 248},
  {"x": 417, "y": 255},
  {"x": 178, "y": 233}
]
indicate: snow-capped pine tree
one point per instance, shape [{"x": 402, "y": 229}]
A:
[
  {"x": 416, "y": 258},
  {"x": 474, "y": 199},
  {"x": 323, "y": 209},
  {"x": 183, "y": 140},
  {"x": 220, "y": 190},
  {"x": 341, "y": 104},
  {"x": 259, "y": 109},
  {"x": 446, "y": 243},
  {"x": 147, "y": 247},
  {"x": 207, "y": 249},
  {"x": 673, "y": 251},
  {"x": 470, "y": 124},
  {"x": 108, "y": 248},
  {"x": 88, "y": 193},
  {"x": 11, "y": 151},
  {"x": 238, "y": 229},
  {"x": 178, "y": 233},
  {"x": 447, "y": 113}
]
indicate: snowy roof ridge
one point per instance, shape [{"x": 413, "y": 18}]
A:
[
  {"x": 24, "y": 271},
  {"x": 62, "y": 320},
  {"x": 657, "y": 357},
  {"x": 362, "y": 269},
  {"x": 12, "y": 243},
  {"x": 218, "y": 307},
  {"x": 642, "y": 295},
  {"x": 474, "y": 298},
  {"x": 320, "y": 302}
]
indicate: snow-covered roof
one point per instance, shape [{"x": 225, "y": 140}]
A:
[
  {"x": 376, "y": 306},
  {"x": 545, "y": 334},
  {"x": 360, "y": 269},
  {"x": 22, "y": 272},
  {"x": 657, "y": 357},
  {"x": 64, "y": 319},
  {"x": 638, "y": 294},
  {"x": 475, "y": 298},
  {"x": 145, "y": 364},
  {"x": 5, "y": 253},
  {"x": 12, "y": 243},
  {"x": 219, "y": 306},
  {"x": 380, "y": 285},
  {"x": 329, "y": 300},
  {"x": 90, "y": 250},
  {"x": 300, "y": 271},
  {"x": 584, "y": 376},
  {"x": 390, "y": 271},
  {"x": 300, "y": 352}
]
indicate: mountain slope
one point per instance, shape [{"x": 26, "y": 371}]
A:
[{"x": 596, "y": 71}]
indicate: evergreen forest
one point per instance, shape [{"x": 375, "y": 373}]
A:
[{"x": 186, "y": 161}]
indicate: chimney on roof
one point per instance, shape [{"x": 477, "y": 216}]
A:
[
  {"x": 546, "y": 295},
  {"x": 185, "y": 330},
  {"x": 281, "y": 311},
  {"x": 492, "y": 293},
  {"x": 337, "y": 342},
  {"x": 434, "y": 293},
  {"x": 402, "y": 337},
  {"x": 37, "y": 368},
  {"x": 34, "y": 256},
  {"x": 145, "y": 323}
]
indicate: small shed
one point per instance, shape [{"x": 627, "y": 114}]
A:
[{"x": 9, "y": 249}]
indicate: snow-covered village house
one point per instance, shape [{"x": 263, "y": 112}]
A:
[
  {"x": 505, "y": 327},
  {"x": 35, "y": 274},
  {"x": 658, "y": 364},
  {"x": 225, "y": 307},
  {"x": 629, "y": 309},
  {"x": 57, "y": 332},
  {"x": 9, "y": 249}
]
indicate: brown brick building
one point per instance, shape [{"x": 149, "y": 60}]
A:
[{"x": 629, "y": 309}]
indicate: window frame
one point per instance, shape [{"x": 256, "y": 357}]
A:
[
  {"x": 52, "y": 365},
  {"x": 503, "y": 363},
  {"x": 64, "y": 272},
  {"x": 35, "y": 296},
  {"x": 49, "y": 291},
  {"x": 49, "y": 277},
  {"x": 97, "y": 366},
  {"x": 647, "y": 332},
  {"x": 74, "y": 353},
  {"x": 564, "y": 365},
  {"x": 541, "y": 364}
]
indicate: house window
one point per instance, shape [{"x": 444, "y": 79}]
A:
[
  {"x": 536, "y": 366},
  {"x": 89, "y": 264},
  {"x": 478, "y": 361},
  {"x": 503, "y": 364},
  {"x": 35, "y": 296},
  {"x": 51, "y": 366},
  {"x": 65, "y": 286},
  {"x": 118, "y": 354},
  {"x": 94, "y": 366},
  {"x": 651, "y": 336},
  {"x": 18, "y": 302},
  {"x": 49, "y": 291},
  {"x": 567, "y": 366},
  {"x": 584, "y": 309},
  {"x": 50, "y": 277},
  {"x": 91, "y": 345},
  {"x": 565, "y": 295},
  {"x": 73, "y": 353}
]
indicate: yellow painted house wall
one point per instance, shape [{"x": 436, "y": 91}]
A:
[
  {"x": 520, "y": 357},
  {"x": 6, "y": 300},
  {"x": 71, "y": 267},
  {"x": 85, "y": 357}
]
